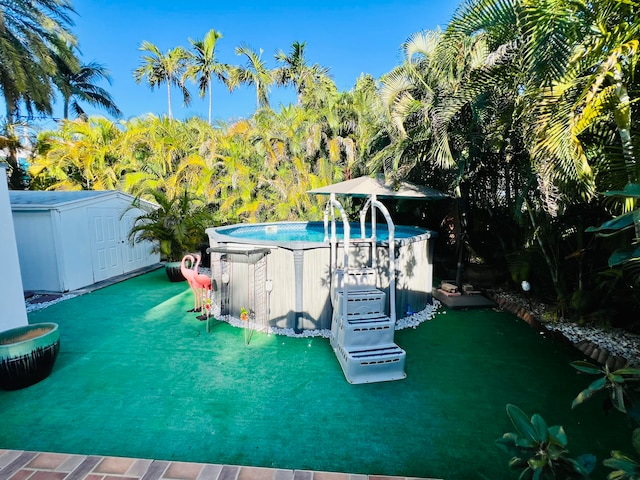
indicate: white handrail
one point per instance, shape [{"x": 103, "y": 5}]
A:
[
  {"x": 375, "y": 204},
  {"x": 363, "y": 216},
  {"x": 331, "y": 204}
]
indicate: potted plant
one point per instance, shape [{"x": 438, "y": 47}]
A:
[
  {"x": 27, "y": 354},
  {"x": 176, "y": 226}
]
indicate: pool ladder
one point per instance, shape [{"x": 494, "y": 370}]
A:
[{"x": 362, "y": 335}]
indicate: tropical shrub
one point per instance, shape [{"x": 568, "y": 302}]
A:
[
  {"x": 624, "y": 396},
  {"x": 541, "y": 451},
  {"x": 177, "y": 225}
]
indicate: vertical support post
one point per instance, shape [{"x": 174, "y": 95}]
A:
[{"x": 298, "y": 267}]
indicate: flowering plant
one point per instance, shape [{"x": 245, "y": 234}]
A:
[
  {"x": 244, "y": 314},
  {"x": 207, "y": 306}
]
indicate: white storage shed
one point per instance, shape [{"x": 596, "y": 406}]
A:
[{"x": 72, "y": 239}]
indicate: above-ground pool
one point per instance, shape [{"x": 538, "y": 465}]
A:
[
  {"x": 284, "y": 234},
  {"x": 294, "y": 284}
]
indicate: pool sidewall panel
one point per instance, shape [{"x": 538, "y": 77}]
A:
[
  {"x": 316, "y": 289},
  {"x": 280, "y": 270},
  {"x": 316, "y": 309},
  {"x": 300, "y": 296}
]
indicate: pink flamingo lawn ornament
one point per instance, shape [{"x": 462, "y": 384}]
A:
[
  {"x": 189, "y": 273},
  {"x": 204, "y": 285}
]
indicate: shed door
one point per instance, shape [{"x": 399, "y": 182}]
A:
[
  {"x": 106, "y": 243},
  {"x": 111, "y": 251},
  {"x": 137, "y": 255}
]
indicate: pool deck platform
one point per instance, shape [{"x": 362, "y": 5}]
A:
[
  {"x": 475, "y": 300},
  {"x": 23, "y": 465}
]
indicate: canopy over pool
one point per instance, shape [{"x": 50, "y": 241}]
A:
[{"x": 366, "y": 186}]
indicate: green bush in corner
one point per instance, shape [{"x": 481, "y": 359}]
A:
[{"x": 177, "y": 225}]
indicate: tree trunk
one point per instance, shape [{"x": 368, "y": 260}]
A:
[
  {"x": 462, "y": 216},
  {"x": 552, "y": 262},
  {"x": 210, "y": 96}
]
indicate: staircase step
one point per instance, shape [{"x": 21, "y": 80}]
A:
[
  {"x": 356, "y": 279},
  {"x": 361, "y": 303},
  {"x": 381, "y": 364},
  {"x": 362, "y": 333}
]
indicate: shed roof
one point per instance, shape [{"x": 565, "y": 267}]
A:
[
  {"x": 41, "y": 200},
  {"x": 52, "y": 199}
]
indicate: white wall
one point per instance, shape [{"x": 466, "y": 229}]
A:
[
  {"x": 38, "y": 258},
  {"x": 74, "y": 252},
  {"x": 13, "y": 312}
]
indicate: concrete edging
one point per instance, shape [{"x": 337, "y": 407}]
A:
[{"x": 592, "y": 351}]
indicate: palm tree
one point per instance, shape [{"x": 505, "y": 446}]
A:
[
  {"x": 235, "y": 188},
  {"x": 591, "y": 94},
  {"x": 81, "y": 154},
  {"x": 159, "y": 68},
  {"x": 425, "y": 99},
  {"x": 295, "y": 70},
  {"x": 154, "y": 147},
  {"x": 448, "y": 119},
  {"x": 255, "y": 73},
  {"x": 572, "y": 66},
  {"x": 30, "y": 32},
  {"x": 170, "y": 155},
  {"x": 78, "y": 84},
  {"x": 577, "y": 61},
  {"x": 203, "y": 65}
]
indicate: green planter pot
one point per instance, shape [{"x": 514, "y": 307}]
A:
[
  {"x": 27, "y": 354},
  {"x": 173, "y": 271}
]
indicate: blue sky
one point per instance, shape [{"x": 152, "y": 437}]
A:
[{"x": 349, "y": 38}]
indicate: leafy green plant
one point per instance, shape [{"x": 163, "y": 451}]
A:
[
  {"x": 625, "y": 467},
  {"x": 622, "y": 223},
  {"x": 622, "y": 385},
  {"x": 624, "y": 396},
  {"x": 541, "y": 451},
  {"x": 177, "y": 225}
]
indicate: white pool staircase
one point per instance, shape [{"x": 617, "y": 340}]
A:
[{"x": 362, "y": 334}]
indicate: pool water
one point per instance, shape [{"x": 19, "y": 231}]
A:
[{"x": 310, "y": 231}]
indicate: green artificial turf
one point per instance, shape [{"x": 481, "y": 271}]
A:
[{"x": 138, "y": 376}]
